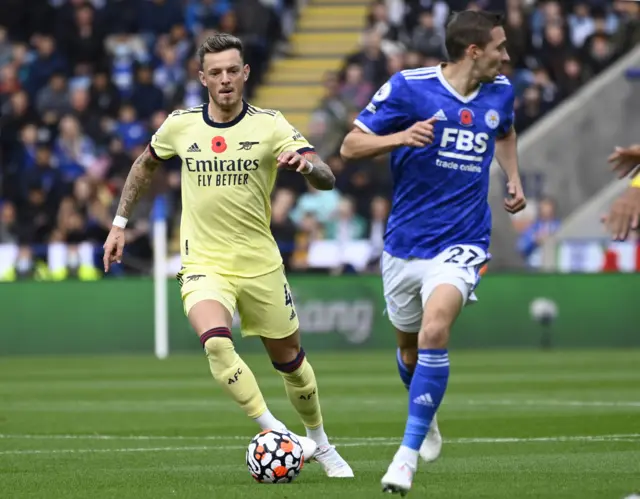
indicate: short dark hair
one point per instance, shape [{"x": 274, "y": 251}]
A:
[
  {"x": 219, "y": 43},
  {"x": 470, "y": 28}
]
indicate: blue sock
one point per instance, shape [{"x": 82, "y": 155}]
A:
[
  {"x": 405, "y": 374},
  {"x": 425, "y": 394}
]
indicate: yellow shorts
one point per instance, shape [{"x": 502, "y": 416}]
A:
[{"x": 264, "y": 303}]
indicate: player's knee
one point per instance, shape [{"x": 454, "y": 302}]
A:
[
  {"x": 435, "y": 331},
  {"x": 292, "y": 365},
  {"x": 409, "y": 357},
  {"x": 218, "y": 345}
]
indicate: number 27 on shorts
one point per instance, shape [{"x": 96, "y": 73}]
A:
[{"x": 463, "y": 255}]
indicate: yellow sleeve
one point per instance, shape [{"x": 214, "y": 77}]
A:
[
  {"x": 287, "y": 138},
  {"x": 636, "y": 181},
  {"x": 161, "y": 145}
]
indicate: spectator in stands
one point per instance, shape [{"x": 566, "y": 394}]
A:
[
  {"x": 130, "y": 130},
  {"x": 319, "y": 204},
  {"x": 170, "y": 74},
  {"x": 146, "y": 96},
  {"x": 282, "y": 227},
  {"x": 345, "y": 225},
  {"x": 9, "y": 238},
  {"x": 356, "y": 90},
  {"x": 380, "y": 207},
  {"x": 75, "y": 152},
  {"x": 9, "y": 82},
  {"x": 426, "y": 38},
  {"x": 205, "y": 14},
  {"x": 573, "y": 77},
  {"x": 545, "y": 225},
  {"x": 529, "y": 110},
  {"x": 54, "y": 97},
  {"x": 309, "y": 230},
  {"x": 49, "y": 60},
  {"x": 371, "y": 58},
  {"x": 328, "y": 124},
  {"x": 82, "y": 40}
]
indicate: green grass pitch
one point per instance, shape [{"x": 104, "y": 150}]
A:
[{"x": 516, "y": 425}]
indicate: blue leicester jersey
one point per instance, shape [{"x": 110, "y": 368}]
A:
[{"x": 439, "y": 191}]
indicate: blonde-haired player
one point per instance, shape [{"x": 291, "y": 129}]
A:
[{"x": 231, "y": 152}]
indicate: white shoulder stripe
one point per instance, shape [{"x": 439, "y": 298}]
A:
[
  {"x": 421, "y": 77},
  {"x": 363, "y": 127},
  {"x": 416, "y": 71},
  {"x": 502, "y": 82}
]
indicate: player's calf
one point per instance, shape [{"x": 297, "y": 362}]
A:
[
  {"x": 302, "y": 389},
  {"x": 406, "y": 355},
  {"x": 235, "y": 377},
  {"x": 431, "y": 375}
]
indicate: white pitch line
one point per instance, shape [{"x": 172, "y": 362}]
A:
[
  {"x": 554, "y": 403},
  {"x": 120, "y": 437},
  {"x": 8, "y": 436},
  {"x": 630, "y": 437},
  {"x": 130, "y": 449}
]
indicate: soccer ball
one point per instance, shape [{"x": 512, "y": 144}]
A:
[{"x": 274, "y": 457}]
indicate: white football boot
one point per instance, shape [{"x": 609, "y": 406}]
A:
[
  {"x": 432, "y": 444},
  {"x": 398, "y": 478},
  {"x": 333, "y": 463},
  {"x": 309, "y": 447}
]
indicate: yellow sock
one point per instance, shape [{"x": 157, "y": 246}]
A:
[
  {"x": 302, "y": 389},
  {"x": 230, "y": 371}
]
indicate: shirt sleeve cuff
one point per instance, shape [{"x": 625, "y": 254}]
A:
[
  {"x": 306, "y": 150},
  {"x": 155, "y": 154},
  {"x": 364, "y": 127}
]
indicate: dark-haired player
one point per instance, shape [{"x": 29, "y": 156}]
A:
[
  {"x": 442, "y": 126},
  {"x": 231, "y": 152}
]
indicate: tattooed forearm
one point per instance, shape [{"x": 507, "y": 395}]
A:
[
  {"x": 138, "y": 182},
  {"x": 321, "y": 177}
]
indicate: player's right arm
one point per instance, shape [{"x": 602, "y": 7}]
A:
[
  {"x": 386, "y": 124},
  {"x": 137, "y": 183}
]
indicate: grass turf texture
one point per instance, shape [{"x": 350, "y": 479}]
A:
[{"x": 516, "y": 424}]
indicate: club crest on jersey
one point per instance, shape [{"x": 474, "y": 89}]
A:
[
  {"x": 383, "y": 93},
  {"x": 466, "y": 116},
  {"x": 492, "y": 119},
  {"x": 247, "y": 145}
]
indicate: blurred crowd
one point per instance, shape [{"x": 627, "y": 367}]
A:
[{"x": 83, "y": 85}]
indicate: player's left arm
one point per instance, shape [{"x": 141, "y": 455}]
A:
[
  {"x": 293, "y": 152},
  {"x": 507, "y": 156}
]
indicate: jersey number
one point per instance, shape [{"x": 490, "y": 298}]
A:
[
  {"x": 457, "y": 252},
  {"x": 288, "y": 300}
]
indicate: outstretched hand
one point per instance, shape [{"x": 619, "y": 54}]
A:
[{"x": 290, "y": 160}]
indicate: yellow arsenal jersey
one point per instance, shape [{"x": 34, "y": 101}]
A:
[{"x": 228, "y": 173}]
